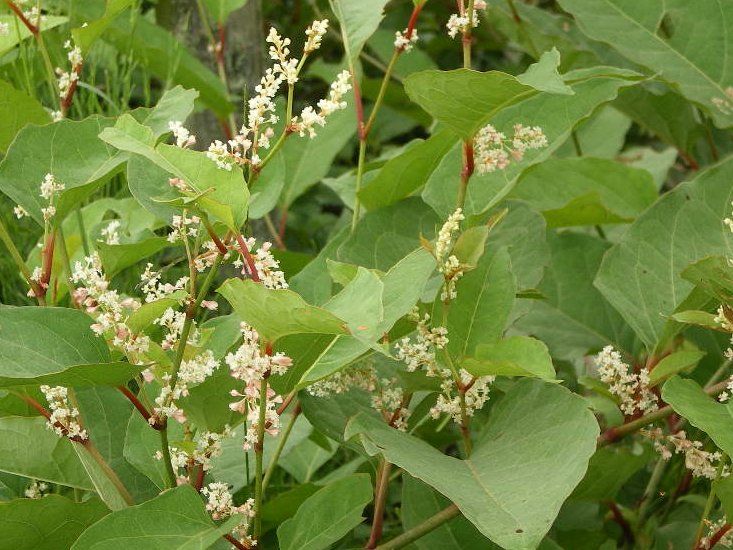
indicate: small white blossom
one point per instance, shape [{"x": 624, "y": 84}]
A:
[
  {"x": 4, "y": 29},
  {"x": 20, "y": 212},
  {"x": 110, "y": 234},
  {"x": 631, "y": 389},
  {"x": 36, "y": 489},
  {"x": 493, "y": 151},
  {"x": 64, "y": 418},
  {"x": 184, "y": 138},
  {"x": 309, "y": 117},
  {"x": 402, "y": 42},
  {"x": 314, "y": 34}
]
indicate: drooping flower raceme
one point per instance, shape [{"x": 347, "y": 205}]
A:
[
  {"x": 251, "y": 366},
  {"x": 449, "y": 265},
  {"x": 64, "y": 418},
  {"x": 494, "y": 151},
  {"x": 632, "y": 389}
]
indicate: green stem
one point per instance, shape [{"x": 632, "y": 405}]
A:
[
  {"x": 709, "y": 503},
  {"x": 279, "y": 449},
  {"x": 651, "y": 489},
  {"x": 165, "y": 449},
  {"x": 109, "y": 472},
  {"x": 382, "y": 90},
  {"x": 19, "y": 261},
  {"x": 411, "y": 535},
  {"x": 82, "y": 231},
  {"x": 259, "y": 451}
]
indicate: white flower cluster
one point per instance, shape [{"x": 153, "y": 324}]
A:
[
  {"x": 220, "y": 504},
  {"x": 64, "y": 418},
  {"x": 172, "y": 321},
  {"x": 713, "y": 527},
  {"x": 475, "y": 390},
  {"x": 363, "y": 378},
  {"x": 389, "y": 400},
  {"x": 251, "y": 366},
  {"x": 268, "y": 268},
  {"x": 49, "y": 189},
  {"x": 20, "y": 212},
  {"x": 314, "y": 34},
  {"x": 192, "y": 371},
  {"x": 494, "y": 151},
  {"x": 154, "y": 289},
  {"x": 183, "y": 227},
  {"x": 724, "y": 104},
  {"x": 403, "y": 42},
  {"x": 4, "y": 29},
  {"x": 449, "y": 266},
  {"x": 631, "y": 389},
  {"x": 208, "y": 446},
  {"x": 184, "y": 138},
  {"x": 110, "y": 233},
  {"x": 257, "y": 133},
  {"x": 701, "y": 463},
  {"x": 36, "y": 489},
  {"x": 460, "y": 22},
  {"x": 109, "y": 309},
  {"x": 420, "y": 353},
  {"x": 309, "y": 117},
  {"x": 66, "y": 79}
]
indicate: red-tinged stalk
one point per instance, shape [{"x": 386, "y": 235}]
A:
[
  {"x": 380, "y": 501},
  {"x": 47, "y": 258},
  {"x": 363, "y": 126},
  {"x": 135, "y": 402}
]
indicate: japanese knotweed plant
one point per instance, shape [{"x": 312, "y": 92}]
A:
[{"x": 507, "y": 337}]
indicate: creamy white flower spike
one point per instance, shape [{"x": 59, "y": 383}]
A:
[
  {"x": 403, "y": 43},
  {"x": 475, "y": 395},
  {"x": 220, "y": 504},
  {"x": 4, "y": 29},
  {"x": 310, "y": 118},
  {"x": 64, "y": 420},
  {"x": 631, "y": 389},
  {"x": 701, "y": 463},
  {"x": 36, "y": 489},
  {"x": 493, "y": 151},
  {"x": 184, "y": 138},
  {"x": 110, "y": 234},
  {"x": 20, "y": 212},
  {"x": 314, "y": 34}
]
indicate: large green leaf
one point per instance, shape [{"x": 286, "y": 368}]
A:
[
  {"x": 586, "y": 191},
  {"x": 539, "y": 435},
  {"x": 40, "y": 343},
  {"x": 218, "y": 192},
  {"x": 70, "y": 150},
  {"x": 327, "y": 515},
  {"x": 465, "y": 100},
  {"x": 89, "y": 33},
  {"x": 407, "y": 172},
  {"x": 640, "y": 275},
  {"x": 17, "y": 109},
  {"x": 358, "y": 21},
  {"x": 49, "y": 523},
  {"x": 573, "y": 317},
  {"x": 175, "y": 520},
  {"x": 278, "y": 313},
  {"x": 420, "y": 502},
  {"x": 30, "y": 449},
  {"x": 662, "y": 35},
  {"x": 221, "y": 9},
  {"x": 480, "y": 312},
  {"x": 556, "y": 114},
  {"x": 514, "y": 356},
  {"x": 688, "y": 399}
]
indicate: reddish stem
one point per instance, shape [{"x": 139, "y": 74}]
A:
[
  {"x": 17, "y": 11},
  {"x": 221, "y": 247},
  {"x": 199, "y": 477},
  {"x": 220, "y": 46},
  {"x": 135, "y": 401},
  {"x": 715, "y": 539},
  {"x": 285, "y": 403},
  {"x": 249, "y": 259},
  {"x": 361, "y": 129},
  {"x": 619, "y": 518},
  {"x": 47, "y": 415},
  {"x": 234, "y": 542},
  {"x": 66, "y": 101},
  {"x": 47, "y": 262},
  {"x": 283, "y": 224},
  {"x": 468, "y": 164}
]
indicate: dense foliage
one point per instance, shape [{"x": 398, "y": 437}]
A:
[{"x": 366, "y": 274}]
